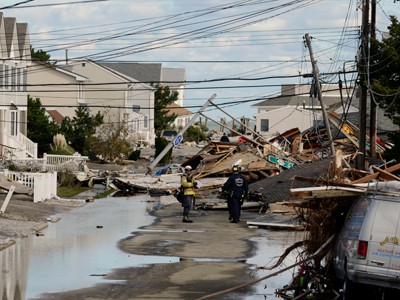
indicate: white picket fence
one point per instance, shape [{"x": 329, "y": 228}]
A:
[
  {"x": 44, "y": 185},
  {"x": 43, "y": 176},
  {"x": 52, "y": 162}
]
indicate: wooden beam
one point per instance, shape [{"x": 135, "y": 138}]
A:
[
  {"x": 264, "y": 174},
  {"x": 322, "y": 181},
  {"x": 366, "y": 178},
  {"x": 385, "y": 174}
]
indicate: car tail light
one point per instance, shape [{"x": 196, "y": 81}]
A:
[{"x": 362, "y": 249}]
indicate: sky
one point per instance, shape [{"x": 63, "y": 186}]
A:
[{"x": 240, "y": 50}]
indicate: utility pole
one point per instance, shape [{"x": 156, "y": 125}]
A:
[
  {"x": 318, "y": 85},
  {"x": 372, "y": 125},
  {"x": 363, "y": 65}
]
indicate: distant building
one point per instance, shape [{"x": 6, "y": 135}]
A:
[{"x": 297, "y": 106}]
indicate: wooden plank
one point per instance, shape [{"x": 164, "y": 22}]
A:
[
  {"x": 366, "y": 178},
  {"x": 252, "y": 175},
  {"x": 264, "y": 174},
  {"x": 19, "y": 188},
  {"x": 386, "y": 175},
  {"x": 326, "y": 192},
  {"x": 375, "y": 175},
  {"x": 5, "y": 203}
]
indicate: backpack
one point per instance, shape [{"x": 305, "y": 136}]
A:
[{"x": 179, "y": 195}]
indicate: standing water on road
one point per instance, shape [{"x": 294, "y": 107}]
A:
[
  {"x": 81, "y": 248},
  {"x": 78, "y": 250}
]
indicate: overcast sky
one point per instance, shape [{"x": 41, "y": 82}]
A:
[{"x": 259, "y": 42}]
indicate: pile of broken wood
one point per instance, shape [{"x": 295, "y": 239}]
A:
[{"x": 322, "y": 210}]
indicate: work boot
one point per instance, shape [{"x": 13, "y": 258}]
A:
[{"x": 186, "y": 220}]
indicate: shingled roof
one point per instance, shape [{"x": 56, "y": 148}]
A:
[
  {"x": 277, "y": 188},
  {"x": 145, "y": 73}
]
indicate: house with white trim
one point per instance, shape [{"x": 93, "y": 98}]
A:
[
  {"x": 297, "y": 106},
  {"x": 155, "y": 73},
  {"x": 15, "y": 58}
]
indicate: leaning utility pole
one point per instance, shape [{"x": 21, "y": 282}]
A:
[
  {"x": 363, "y": 67},
  {"x": 179, "y": 137},
  {"x": 318, "y": 85}
]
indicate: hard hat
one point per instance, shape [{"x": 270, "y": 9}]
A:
[
  {"x": 188, "y": 168},
  {"x": 235, "y": 168}
]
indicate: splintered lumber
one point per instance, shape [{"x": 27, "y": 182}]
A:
[
  {"x": 377, "y": 174},
  {"x": 326, "y": 192},
  {"x": 322, "y": 181},
  {"x": 385, "y": 174}
]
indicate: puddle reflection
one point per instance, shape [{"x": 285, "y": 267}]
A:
[
  {"x": 13, "y": 267},
  {"x": 80, "y": 249},
  {"x": 77, "y": 251}
]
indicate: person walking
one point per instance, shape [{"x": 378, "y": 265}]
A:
[
  {"x": 237, "y": 188},
  {"x": 188, "y": 185}
]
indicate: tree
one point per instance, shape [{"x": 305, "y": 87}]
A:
[
  {"x": 385, "y": 71},
  {"x": 110, "y": 143},
  {"x": 80, "y": 127},
  {"x": 40, "y": 55},
  {"x": 40, "y": 128},
  {"x": 162, "y": 98}
]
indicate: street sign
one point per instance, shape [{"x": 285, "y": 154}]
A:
[
  {"x": 280, "y": 162},
  {"x": 178, "y": 140}
]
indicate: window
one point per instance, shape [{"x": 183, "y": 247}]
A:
[
  {"x": 2, "y": 75},
  {"x": 19, "y": 79},
  {"x": 14, "y": 123},
  {"x": 13, "y": 78},
  {"x": 25, "y": 80},
  {"x": 6, "y": 76},
  {"x": 146, "y": 122},
  {"x": 80, "y": 93},
  {"x": 264, "y": 124}
]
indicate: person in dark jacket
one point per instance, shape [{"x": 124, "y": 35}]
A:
[
  {"x": 237, "y": 188},
  {"x": 224, "y": 138}
]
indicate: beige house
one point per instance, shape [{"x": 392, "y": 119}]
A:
[
  {"x": 183, "y": 115},
  {"x": 15, "y": 57},
  {"x": 58, "y": 88},
  {"x": 98, "y": 88}
]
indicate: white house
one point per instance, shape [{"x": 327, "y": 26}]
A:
[
  {"x": 15, "y": 57},
  {"x": 279, "y": 120},
  {"x": 297, "y": 106}
]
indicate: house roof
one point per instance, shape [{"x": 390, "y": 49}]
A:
[
  {"x": 57, "y": 117},
  {"x": 383, "y": 123},
  {"x": 296, "y": 95},
  {"x": 173, "y": 76},
  {"x": 10, "y": 27},
  {"x": 177, "y": 110},
  {"x": 277, "y": 188},
  {"x": 41, "y": 65},
  {"x": 145, "y": 73}
]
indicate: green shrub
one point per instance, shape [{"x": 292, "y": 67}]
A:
[
  {"x": 194, "y": 134},
  {"x": 160, "y": 144},
  {"x": 134, "y": 155}
]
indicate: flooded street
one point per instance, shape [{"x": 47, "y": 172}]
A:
[{"x": 81, "y": 248}]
